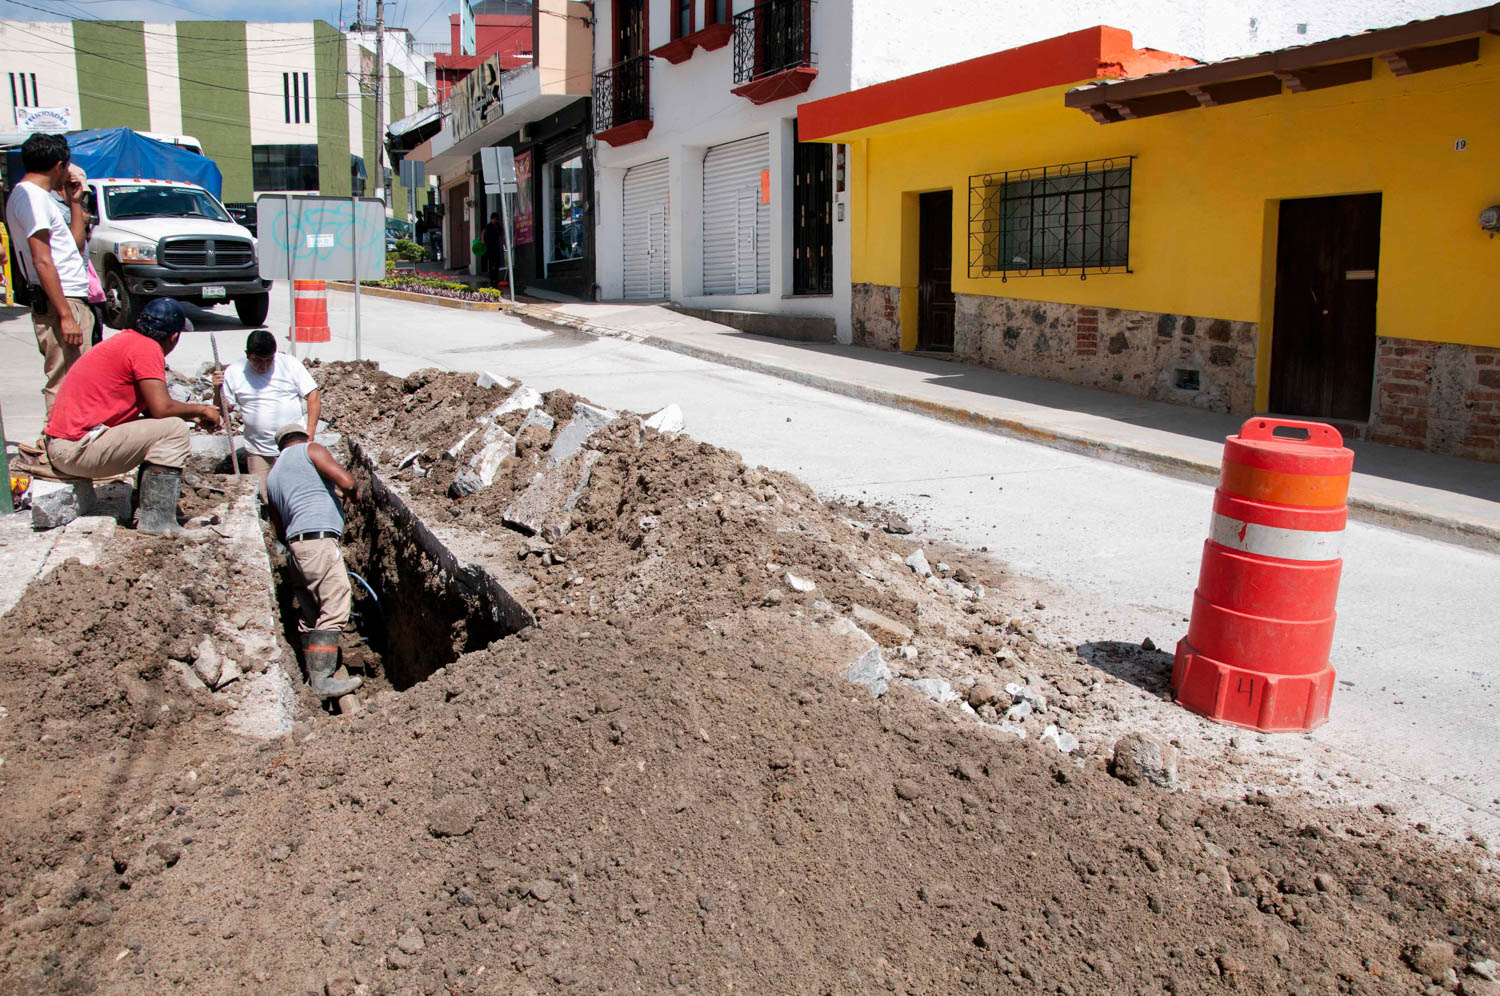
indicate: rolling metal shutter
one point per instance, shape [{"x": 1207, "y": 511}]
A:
[
  {"x": 645, "y": 249},
  {"x": 736, "y": 225}
]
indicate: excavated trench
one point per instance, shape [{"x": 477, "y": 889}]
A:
[{"x": 416, "y": 607}]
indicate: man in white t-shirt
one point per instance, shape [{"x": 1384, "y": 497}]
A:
[
  {"x": 270, "y": 389},
  {"x": 49, "y": 247}
]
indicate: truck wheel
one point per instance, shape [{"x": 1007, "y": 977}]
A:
[
  {"x": 121, "y": 308},
  {"x": 252, "y": 308}
]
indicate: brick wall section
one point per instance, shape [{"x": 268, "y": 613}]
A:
[
  {"x": 1438, "y": 396},
  {"x": 876, "y": 316},
  {"x": 1086, "y": 332}
]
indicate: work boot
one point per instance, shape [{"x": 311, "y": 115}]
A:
[
  {"x": 157, "y": 491},
  {"x": 320, "y": 648}
]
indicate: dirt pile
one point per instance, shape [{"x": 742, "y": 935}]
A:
[{"x": 669, "y": 785}]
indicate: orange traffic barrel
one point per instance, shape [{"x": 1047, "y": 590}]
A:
[
  {"x": 1256, "y": 651},
  {"x": 310, "y": 311}
]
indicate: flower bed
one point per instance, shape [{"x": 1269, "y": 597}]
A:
[{"x": 436, "y": 287}]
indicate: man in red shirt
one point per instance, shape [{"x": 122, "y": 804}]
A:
[{"x": 113, "y": 413}]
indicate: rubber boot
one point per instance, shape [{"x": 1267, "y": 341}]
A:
[
  {"x": 320, "y": 648},
  {"x": 158, "y": 489}
]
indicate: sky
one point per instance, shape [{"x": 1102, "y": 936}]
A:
[{"x": 427, "y": 19}]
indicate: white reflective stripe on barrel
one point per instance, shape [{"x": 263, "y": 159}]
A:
[{"x": 1270, "y": 541}]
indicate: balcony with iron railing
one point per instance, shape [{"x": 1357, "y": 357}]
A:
[
  {"x": 622, "y": 102},
  {"x": 773, "y": 56}
]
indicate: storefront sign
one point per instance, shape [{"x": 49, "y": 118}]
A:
[
  {"x": 476, "y": 99},
  {"x": 46, "y": 119},
  {"x": 523, "y": 222}
]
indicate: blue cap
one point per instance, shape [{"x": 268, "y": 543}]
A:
[{"x": 162, "y": 318}]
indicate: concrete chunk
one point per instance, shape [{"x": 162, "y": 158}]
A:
[
  {"x": 667, "y": 421},
  {"x": 918, "y": 563},
  {"x": 520, "y": 399},
  {"x": 868, "y": 618},
  {"x": 936, "y": 689},
  {"x": 537, "y": 416},
  {"x": 869, "y": 670},
  {"x": 488, "y": 379},
  {"x": 496, "y": 446},
  {"x": 542, "y": 509},
  {"x": 53, "y": 508},
  {"x": 586, "y": 421}
]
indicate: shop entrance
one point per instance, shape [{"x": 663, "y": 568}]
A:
[
  {"x": 458, "y": 228},
  {"x": 935, "y": 272},
  {"x": 1323, "y": 340}
]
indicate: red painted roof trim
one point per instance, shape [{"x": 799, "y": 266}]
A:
[{"x": 1093, "y": 53}]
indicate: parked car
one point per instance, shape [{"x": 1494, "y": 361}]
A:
[
  {"x": 171, "y": 238},
  {"x": 243, "y": 213}
]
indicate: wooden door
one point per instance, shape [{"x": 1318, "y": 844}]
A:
[
  {"x": 935, "y": 272},
  {"x": 458, "y": 228},
  {"x": 1323, "y": 340},
  {"x": 630, "y": 29}
]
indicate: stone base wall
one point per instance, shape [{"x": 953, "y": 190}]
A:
[
  {"x": 876, "y": 316},
  {"x": 1438, "y": 396}
]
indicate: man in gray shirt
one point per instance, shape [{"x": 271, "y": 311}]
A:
[{"x": 310, "y": 521}]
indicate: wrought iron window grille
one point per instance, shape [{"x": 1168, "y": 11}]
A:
[
  {"x": 771, "y": 37},
  {"x": 1062, "y": 220},
  {"x": 622, "y": 93}
]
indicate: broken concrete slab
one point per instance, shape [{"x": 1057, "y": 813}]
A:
[
  {"x": 869, "y": 670},
  {"x": 667, "y": 421},
  {"x": 465, "y": 483},
  {"x": 458, "y": 447},
  {"x": 536, "y": 416},
  {"x": 586, "y": 421},
  {"x": 936, "y": 689},
  {"x": 52, "y": 507},
  {"x": 918, "y": 563},
  {"x": 83, "y": 540},
  {"x": 496, "y": 446},
  {"x": 890, "y": 628},
  {"x": 488, "y": 379},
  {"x": 547, "y": 502},
  {"x": 520, "y": 399},
  {"x": 797, "y": 583}
]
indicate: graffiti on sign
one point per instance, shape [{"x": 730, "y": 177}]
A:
[{"x": 476, "y": 99}]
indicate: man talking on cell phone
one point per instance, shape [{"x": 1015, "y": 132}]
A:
[{"x": 49, "y": 247}]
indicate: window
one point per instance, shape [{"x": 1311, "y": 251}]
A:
[
  {"x": 296, "y": 98},
  {"x": 284, "y": 167},
  {"x": 20, "y": 95},
  {"x": 565, "y": 193},
  {"x": 682, "y": 17},
  {"x": 718, "y": 11},
  {"x": 1062, "y": 219},
  {"x": 153, "y": 201},
  {"x": 357, "y": 176}
]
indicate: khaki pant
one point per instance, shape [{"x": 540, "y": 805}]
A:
[
  {"x": 162, "y": 441},
  {"x": 260, "y": 466},
  {"x": 325, "y": 594},
  {"x": 58, "y": 356}
]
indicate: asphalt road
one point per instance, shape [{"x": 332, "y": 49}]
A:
[{"x": 1417, "y": 633}]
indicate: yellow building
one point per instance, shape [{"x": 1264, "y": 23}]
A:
[{"x": 1307, "y": 232}]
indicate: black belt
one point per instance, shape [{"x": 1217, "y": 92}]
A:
[{"x": 319, "y": 534}]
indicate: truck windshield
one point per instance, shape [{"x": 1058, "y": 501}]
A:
[{"x": 161, "y": 202}]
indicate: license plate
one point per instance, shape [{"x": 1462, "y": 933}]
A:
[{"x": 213, "y": 292}]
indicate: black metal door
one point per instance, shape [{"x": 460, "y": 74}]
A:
[
  {"x": 812, "y": 209},
  {"x": 935, "y": 272},
  {"x": 1323, "y": 343},
  {"x": 630, "y": 29}
]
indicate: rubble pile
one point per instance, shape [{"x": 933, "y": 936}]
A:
[{"x": 752, "y": 742}]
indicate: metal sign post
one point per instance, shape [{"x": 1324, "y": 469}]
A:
[
  {"x": 354, "y": 227},
  {"x": 291, "y": 288},
  {"x": 499, "y": 166},
  {"x": 6, "y": 505}
]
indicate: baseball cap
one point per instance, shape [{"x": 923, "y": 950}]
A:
[{"x": 162, "y": 318}]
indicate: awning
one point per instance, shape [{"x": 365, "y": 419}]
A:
[{"x": 1417, "y": 47}]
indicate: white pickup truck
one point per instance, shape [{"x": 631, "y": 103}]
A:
[{"x": 170, "y": 238}]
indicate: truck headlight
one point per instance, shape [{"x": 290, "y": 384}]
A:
[{"x": 136, "y": 252}]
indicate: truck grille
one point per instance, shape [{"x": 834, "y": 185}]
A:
[{"x": 204, "y": 252}]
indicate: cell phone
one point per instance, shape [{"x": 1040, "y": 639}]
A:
[{"x": 40, "y": 306}]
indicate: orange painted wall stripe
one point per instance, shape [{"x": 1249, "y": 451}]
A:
[
  {"x": 1094, "y": 53},
  {"x": 1280, "y": 488}
]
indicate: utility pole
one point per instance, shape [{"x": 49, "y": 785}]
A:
[{"x": 380, "y": 100}]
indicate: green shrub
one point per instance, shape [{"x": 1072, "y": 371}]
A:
[{"x": 408, "y": 250}]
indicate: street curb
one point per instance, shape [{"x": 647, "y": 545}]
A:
[
  {"x": 1458, "y": 530},
  {"x": 399, "y": 295}
]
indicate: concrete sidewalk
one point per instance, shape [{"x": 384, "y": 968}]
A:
[{"x": 1443, "y": 497}]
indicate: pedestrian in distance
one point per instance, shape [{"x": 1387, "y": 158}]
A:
[
  {"x": 270, "y": 389},
  {"x": 113, "y": 413},
  {"x": 309, "y": 520},
  {"x": 494, "y": 247},
  {"x": 50, "y": 248}
]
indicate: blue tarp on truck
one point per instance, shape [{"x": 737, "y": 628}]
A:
[{"x": 122, "y": 152}]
